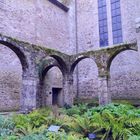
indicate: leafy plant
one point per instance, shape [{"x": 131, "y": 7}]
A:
[
  {"x": 110, "y": 122},
  {"x": 6, "y": 126},
  {"x": 114, "y": 121},
  {"x": 76, "y": 110},
  {"x": 134, "y": 137}
]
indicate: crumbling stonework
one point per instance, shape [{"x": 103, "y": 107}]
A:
[{"x": 36, "y": 61}]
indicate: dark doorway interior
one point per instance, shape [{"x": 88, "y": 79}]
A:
[{"x": 55, "y": 96}]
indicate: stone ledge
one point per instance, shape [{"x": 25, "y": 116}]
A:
[{"x": 59, "y": 4}]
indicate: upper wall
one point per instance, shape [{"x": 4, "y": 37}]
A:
[
  {"x": 87, "y": 25},
  {"x": 87, "y": 22},
  {"x": 130, "y": 12},
  {"x": 39, "y": 22}
]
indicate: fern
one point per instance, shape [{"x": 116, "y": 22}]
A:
[{"x": 134, "y": 137}]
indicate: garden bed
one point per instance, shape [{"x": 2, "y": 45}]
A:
[{"x": 111, "y": 122}]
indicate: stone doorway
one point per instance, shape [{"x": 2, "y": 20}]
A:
[{"x": 56, "y": 96}]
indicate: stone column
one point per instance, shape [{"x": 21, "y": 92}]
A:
[
  {"x": 104, "y": 97},
  {"x": 68, "y": 90},
  {"x": 29, "y": 93}
]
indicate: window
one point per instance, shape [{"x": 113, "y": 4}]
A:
[
  {"x": 116, "y": 21},
  {"x": 103, "y": 30}
]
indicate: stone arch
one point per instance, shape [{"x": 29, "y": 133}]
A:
[
  {"x": 115, "y": 53},
  {"x": 18, "y": 52},
  {"x": 10, "y": 80},
  {"x": 124, "y": 78},
  {"x": 77, "y": 60},
  {"x": 45, "y": 65},
  {"x": 52, "y": 81},
  {"x": 85, "y": 78},
  {"x": 47, "y": 68},
  {"x": 60, "y": 62}
]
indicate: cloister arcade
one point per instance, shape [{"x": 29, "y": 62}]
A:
[{"x": 36, "y": 61}]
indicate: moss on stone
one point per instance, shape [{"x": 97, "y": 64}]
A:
[{"x": 135, "y": 102}]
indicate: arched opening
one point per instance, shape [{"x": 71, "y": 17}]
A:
[
  {"x": 61, "y": 63},
  {"x": 125, "y": 76},
  {"x": 85, "y": 82},
  {"x": 10, "y": 79},
  {"x": 18, "y": 52},
  {"x": 52, "y": 87}
]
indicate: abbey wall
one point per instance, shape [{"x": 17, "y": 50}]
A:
[
  {"x": 37, "y": 22},
  {"x": 43, "y": 23},
  {"x": 125, "y": 69}
]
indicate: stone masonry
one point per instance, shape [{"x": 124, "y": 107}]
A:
[
  {"x": 79, "y": 67},
  {"x": 36, "y": 62}
]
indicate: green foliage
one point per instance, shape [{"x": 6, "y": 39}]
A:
[
  {"x": 40, "y": 117},
  {"x": 110, "y": 122},
  {"x": 76, "y": 110},
  {"x": 134, "y": 137},
  {"x": 62, "y": 136},
  {"x": 35, "y": 118},
  {"x": 9, "y": 138},
  {"x": 6, "y": 126},
  {"x": 80, "y": 125},
  {"x": 34, "y": 137},
  {"x": 114, "y": 121},
  {"x": 89, "y": 102},
  {"x": 33, "y": 123}
]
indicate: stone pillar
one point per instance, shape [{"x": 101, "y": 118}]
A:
[
  {"x": 104, "y": 97},
  {"x": 68, "y": 90},
  {"x": 29, "y": 93}
]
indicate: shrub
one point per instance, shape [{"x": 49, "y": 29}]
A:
[{"x": 76, "y": 110}]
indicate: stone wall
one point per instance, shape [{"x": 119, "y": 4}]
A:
[
  {"x": 125, "y": 76},
  {"x": 87, "y": 25},
  {"x": 87, "y": 79},
  {"x": 87, "y": 39},
  {"x": 125, "y": 70},
  {"x": 130, "y": 11},
  {"x": 39, "y": 22},
  {"x": 10, "y": 80}
]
